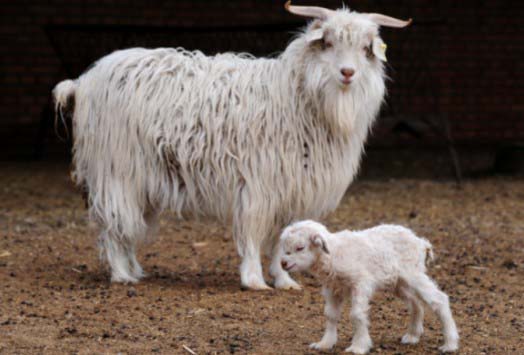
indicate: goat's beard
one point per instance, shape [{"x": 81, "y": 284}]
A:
[
  {"x": 340, "y": 109},
  {"x": 337, "y": 104}
]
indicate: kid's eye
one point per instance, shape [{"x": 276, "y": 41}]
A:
[{"x": 300, "y": 248}]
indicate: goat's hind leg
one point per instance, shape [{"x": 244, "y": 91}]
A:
[
  {"x": 416, "y": 313},
  {"x": 151, "y": 220},
  {"x": 439, "y": 303},
  {"x": 120, "y": 254},
  {"x": 120, "y": 250}
]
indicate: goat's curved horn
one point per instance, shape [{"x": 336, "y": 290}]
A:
[
  {"x": 309, "y": 11},
  {"x": 388, "y": 21}
]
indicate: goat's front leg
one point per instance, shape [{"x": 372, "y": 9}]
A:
[
  {"x": 250, "y": 235},
  {"x": 360, "y": 297},
  {"x": 333, "y": 311},
  {"x": 251, "y": 275}
]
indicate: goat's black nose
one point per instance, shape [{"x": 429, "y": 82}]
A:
[
  {"x": 347, "y": 72},
  {"x": 284, "y": 264}
]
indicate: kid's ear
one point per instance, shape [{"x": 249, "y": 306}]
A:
[{"x": 318, "y": 241}]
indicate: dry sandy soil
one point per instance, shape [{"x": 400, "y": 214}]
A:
[{"x": 56, "y": 296}]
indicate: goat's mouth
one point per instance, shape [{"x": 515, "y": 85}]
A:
[
  {"x": 288, "y": 268},
  {"x": 345, "y": 84}
]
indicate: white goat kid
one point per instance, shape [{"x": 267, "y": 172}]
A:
[
  {"x": 256, "y": 142},
  {"x": 357, "y": 264}
]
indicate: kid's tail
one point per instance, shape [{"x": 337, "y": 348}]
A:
[{"x": 430, "y": 257}]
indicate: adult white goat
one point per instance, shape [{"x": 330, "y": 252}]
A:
[{"x": 256, "y": 141}]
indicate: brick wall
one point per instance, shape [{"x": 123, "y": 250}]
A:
[{"x": 461, "y": 62}]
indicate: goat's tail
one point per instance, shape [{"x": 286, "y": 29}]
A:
[
  {"x": 64, "y": 100},
  {"x": 430, "y": 256}
]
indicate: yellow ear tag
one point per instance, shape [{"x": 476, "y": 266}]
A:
[{"x": 379, "y": 49}]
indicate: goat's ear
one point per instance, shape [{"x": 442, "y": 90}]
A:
[
  {"x": 379, "y": 49},
  {"x": 314, "y": 35},
  {"x": 318, "y": 241}
]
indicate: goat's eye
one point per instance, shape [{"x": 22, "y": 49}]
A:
[
  {"x": 299, "y": 248},
  {"x": 326, "y": 44}
]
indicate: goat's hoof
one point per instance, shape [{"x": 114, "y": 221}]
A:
[
  {"x": 256, "y": 286},
  {"x": 139, "y": 274},
  {"x": 287, "y": 284},
  {"x": 448, "y": 348},
  {"x": 358, "y": 349},
  {"x": 410, "y": 339},
  {"x": 124, "y": 279},
  {"x": 321, "y": 346}
]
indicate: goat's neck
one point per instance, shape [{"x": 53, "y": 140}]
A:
[{"x": 322, "y": 269}]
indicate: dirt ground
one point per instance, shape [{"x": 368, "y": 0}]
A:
[{"x": 56, "y": 296}]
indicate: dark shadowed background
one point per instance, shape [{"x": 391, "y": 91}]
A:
[{"x": 456, "y": 73}]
